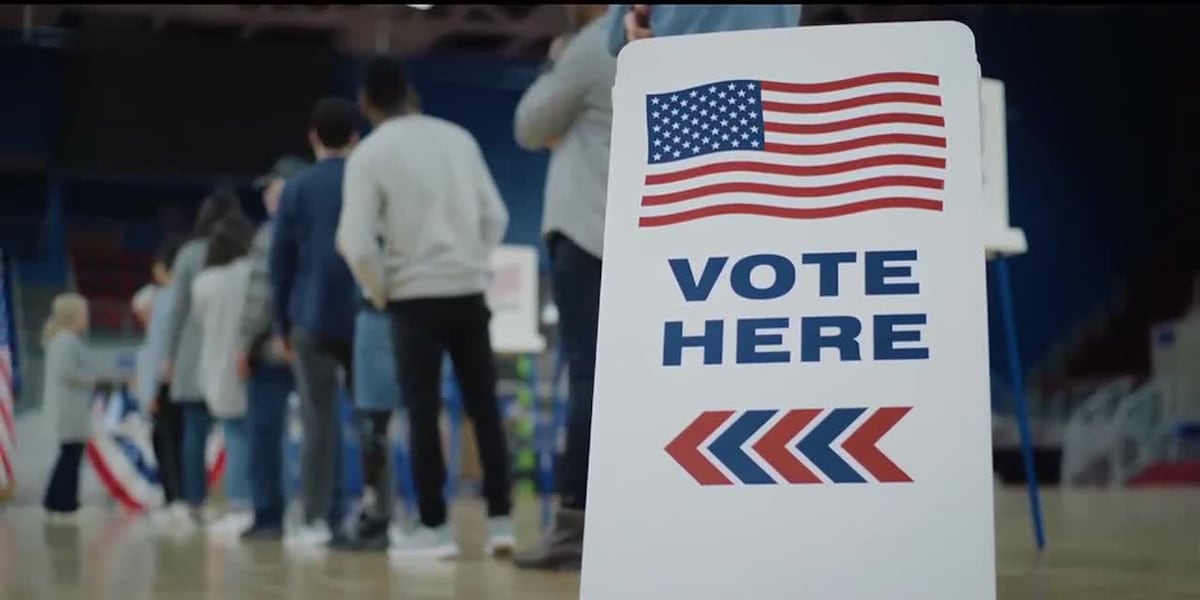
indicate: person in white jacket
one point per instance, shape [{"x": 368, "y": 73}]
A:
[{"x": 218, "y": 294}]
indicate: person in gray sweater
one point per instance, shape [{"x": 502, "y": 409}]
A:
[
  {"x": 67, "y": 393},
  {"x": 569, "y": 109},
  {"x": 184, "y": 338}
]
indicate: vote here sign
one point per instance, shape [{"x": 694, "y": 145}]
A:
[{"x": 791, "y": 394}]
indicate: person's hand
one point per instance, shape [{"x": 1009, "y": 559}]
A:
[
  {"x": 637, "y": 23},
  {"x": 379, "y": 301},
  {"x": 241, "y": 362},
  {"x": 552, "y": 143},
  {"x": 557, "y": 46},
  {"x": 154, "y": 406},
  {"x": 167, "y": 370},
  {"x": 281, "y": 347}
]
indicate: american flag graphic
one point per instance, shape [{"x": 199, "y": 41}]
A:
[
  {"x": 8, "y": 421},
  {"x": 794, "y": 150}
]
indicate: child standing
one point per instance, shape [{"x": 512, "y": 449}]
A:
[
  {"x": 153, "y": 388},
  {"x": 218, "y": 296},
  {"x": 69, "y": 384}
]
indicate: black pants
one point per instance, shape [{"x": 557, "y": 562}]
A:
[
  {"x": 167, "y": 438},
  {"x": 318, "y": 360},
  {"x": 422, "y": 329},
  {"x": 576, "y": 279},
  {"x": 62, "y": 493}
]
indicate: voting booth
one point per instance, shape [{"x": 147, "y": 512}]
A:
[{"x": 792, "y": 388}]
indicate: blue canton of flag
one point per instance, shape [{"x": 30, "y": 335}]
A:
[{"x": 726, "y": 115}]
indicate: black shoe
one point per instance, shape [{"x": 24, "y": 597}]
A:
[
  {"x": 269, "y": 533},
  {"x": 371, "y": 535},
  {"x": 561, "y": 549}
]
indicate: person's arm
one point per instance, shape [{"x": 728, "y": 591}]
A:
[
  {"x": 493, "y": 213},
  {"x": 554, "y": 102},
  {"x": 70, "y": 365},
  {"x": 614, "y": 25},
  {"x": 361, "y": 203},
  {"x": 256, "y": 310},
  {"x": 184, "y": 271},
  {"x": 283, "y": 258}
]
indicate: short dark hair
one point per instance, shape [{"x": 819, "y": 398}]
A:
[
  {"x": 334, "y": 120},
  {"x": 165, "y": 254},
  {"x": 385, "y": 84},
  {"x": 213, "y": 209},
  {"x": 230, "y": 240}
]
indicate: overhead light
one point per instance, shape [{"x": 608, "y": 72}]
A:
[{"x": 420, "y": 6}]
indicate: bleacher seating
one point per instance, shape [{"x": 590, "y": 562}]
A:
[{"x": 108, "y": 276}]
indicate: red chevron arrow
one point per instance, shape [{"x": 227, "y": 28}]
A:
[
  {"x": 773, "y": 446},
  {"x": 861, "y": 445},
  {"x": 685, "y": 448}
]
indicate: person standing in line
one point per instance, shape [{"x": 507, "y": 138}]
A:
[
  {"x": 67, "y": 392},
  {"x": 376, "y": 396},
  {"x": 264, "y": 361},
  {"x": 442, "y": 217},
  {"x": 184, "y": 338},
  {"x": 218, "y": 297},
  {"x": 314, "y": 306},
  {"x": 569, "y": 109},
  {"x": 630, "y": 22},
  {"x": 154, "y": 390}
]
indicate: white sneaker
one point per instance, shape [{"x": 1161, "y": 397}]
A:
[
  {"x": 424, "y": 543},
  {"x": 309, "y": 536},
  {"x": 500, "y": 536},
  {"x": 55, "y": 517},
  {"x": 233, "y": 523}
]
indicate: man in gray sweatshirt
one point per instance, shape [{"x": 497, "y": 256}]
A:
[
  {"x": 421, "y": 185},
  {"x": 569, "y": 109}
]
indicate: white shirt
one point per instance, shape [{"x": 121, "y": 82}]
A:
[
  {"x": 218, "y": 297},
  {"x": 420, "y": 184}
]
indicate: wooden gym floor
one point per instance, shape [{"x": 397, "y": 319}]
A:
[{"x": 1103, "y": 545}]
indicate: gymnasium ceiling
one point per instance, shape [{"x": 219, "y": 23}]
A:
[{"x": 495, "y": 29}]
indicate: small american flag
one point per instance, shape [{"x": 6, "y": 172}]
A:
[
  {"x": 794, "y": 150},
  {"x": 8, "y": 421}
]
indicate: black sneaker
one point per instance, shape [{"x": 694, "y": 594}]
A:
[
  {"x": 269, "y": 533},
  {"x": 561, "y": 549},
  {"x": 371, "y": 535}
]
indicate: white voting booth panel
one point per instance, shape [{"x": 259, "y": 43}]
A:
[
  {"x": 512, "y": 295},
  {"x": 792, "y": 376},
  {"x": 1002, "y": 239}
]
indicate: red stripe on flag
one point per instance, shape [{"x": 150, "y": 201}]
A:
[
  {"x": 858, "y": 143},
  {"x": 843, "y": 125},
  {"x": 884, "y": 160},
  {"x": 820, "y": 191},
  {"x": 790, "y": 213},
  {"x": 852, "y": 82},
  {"x": 856, "y": 102}
]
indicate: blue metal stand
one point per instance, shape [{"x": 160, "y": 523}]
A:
[{"x": 1020, "y": 405}]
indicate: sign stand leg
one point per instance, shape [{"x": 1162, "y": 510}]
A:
[{"x": 1018, "y": 395}]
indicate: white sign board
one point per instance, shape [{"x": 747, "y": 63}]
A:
[
  {"x": 1001, "y": 238},
  {"x": 792, "y": 389},
  {"x": 512, "y": 295}
]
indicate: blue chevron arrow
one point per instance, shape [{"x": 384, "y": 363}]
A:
[
  {"x": 816, "y": 446},
  {"x": 727, "y": 448}
]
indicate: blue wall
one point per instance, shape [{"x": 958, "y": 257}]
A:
[{"x": 1077, "y": 165}]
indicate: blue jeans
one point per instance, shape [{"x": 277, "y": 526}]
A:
[
  {"x": 237, "y": 463},
  {"x": 196, "y": 426},
  {"x": 375, "y": 385},
  {"x": 575, "y": 277},
  {"x": 266, "y": 416}
]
